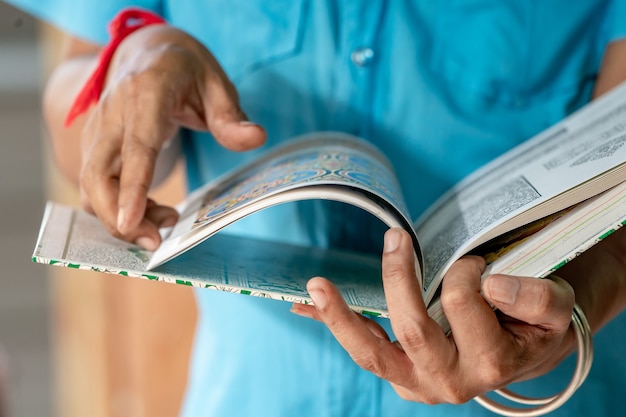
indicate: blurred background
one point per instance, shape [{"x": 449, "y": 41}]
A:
[
  {"x": 25, "y": 337},
  {"x": 72, "y": 343}
]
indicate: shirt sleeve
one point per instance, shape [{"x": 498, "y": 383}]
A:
[
  {"x": 82, "y": 18},
  {"x": 615, "y": 24}
]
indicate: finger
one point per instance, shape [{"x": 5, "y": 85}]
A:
[
  {"x": 145, "y": 234},
  {"x": 538, "y": 313},
  {"x": 99, "y": 197},
  {"x": 86, "y": 204},
  {"x": 399, "y": 276},
  {"x": 225, "y": 119},
  {"x": 305, "y": 310},
  {"x": 420, "y": 336},
  {"x": 547, "y": 303},
  {"x": 147, "y": 127},
  {"x": 161, "y": 216},
  {"x": 310, "y": 311},
  {"x": 474, "y": 325},
  {"x": 155, "y": 217},
  {"x": 100, "y": 169},
  {"x": 369, "y": 351},
  {"x": 100, "y": 185}
]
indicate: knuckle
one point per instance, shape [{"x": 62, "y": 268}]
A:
[
  {"x": 414, "y": 394},
  {"x": 371, "y": 362},
  {"x": 430, "y": 400},
  {"x": 495, "y": 372},
  {"x": 136, "y": 145},
  {"x": 411, "y": 335},
  {"x": 407, "y": 395},
  {"x": 458, "y": 397},
  {"x": 336, "y": 324},
  {"x": 454, "y": 298},
  {"x": 551, "y": 305},
  {"x": 135, "y": 85},
  {"x": 132, "y": 81},
  {"x": 449, "y": 392},
  {"x": 394, "y": 272},
  {"x": 544, "y": 300},
  {"x": 453, "y": 393}
]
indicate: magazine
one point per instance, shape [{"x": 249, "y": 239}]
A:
[{"x": 528, "y": 212}]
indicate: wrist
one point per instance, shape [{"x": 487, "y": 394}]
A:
[
  {"x": 123, "y": 24},
  {"x": 155, "y": 39}
]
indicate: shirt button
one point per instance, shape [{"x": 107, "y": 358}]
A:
[{"x": 362, "y": 57}]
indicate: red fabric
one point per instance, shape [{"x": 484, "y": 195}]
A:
[{"x": 122, "y": 25}]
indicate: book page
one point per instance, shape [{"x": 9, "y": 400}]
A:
[
  {"x": 562, "y": 239},
  {"x": 74, "y": 239},
  {"x": 566, "y": 164},
  {"x": 330, "y": 166}
]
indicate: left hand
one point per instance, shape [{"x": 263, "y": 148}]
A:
[{"x": 486, "y": 349}]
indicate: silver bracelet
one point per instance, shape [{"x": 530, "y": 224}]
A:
[{"x": 541, "y": 406}]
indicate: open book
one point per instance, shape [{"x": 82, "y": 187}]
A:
[{"x": 529, "y": 211}]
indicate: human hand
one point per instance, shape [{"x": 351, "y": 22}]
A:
[
  {"x": 486, "y": 349},
  {"x": 160, "y": 79}
]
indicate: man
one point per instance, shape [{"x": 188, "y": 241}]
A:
[{"x": 441, "y": 89}]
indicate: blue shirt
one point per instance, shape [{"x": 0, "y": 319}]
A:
[{"x": 441, "y": 88}]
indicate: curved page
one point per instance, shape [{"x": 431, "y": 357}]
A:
[
  {"x": 572, "y": 161},
  {"x": 329, "y": 166}
]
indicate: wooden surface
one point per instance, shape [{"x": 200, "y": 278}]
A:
[{"x": 121, "y": 345}]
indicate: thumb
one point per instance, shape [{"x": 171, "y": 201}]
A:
[
  {"x": 541, "y": 302},
  {"x": 225, "y": 119}
]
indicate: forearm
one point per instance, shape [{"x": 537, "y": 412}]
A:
[
  {"x": 599, "y": 279},
  {"x": 61, "y": 89},
  {"x": 613, "y": 69},
  {"x": 599, "y": 275}
]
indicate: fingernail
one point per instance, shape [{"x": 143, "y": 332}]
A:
[
  {"x": 146, "y": 243},
  {"x": 247, "y": 123},
  {"x": 503, "y": 289},
  {"x": 319, "y": 298},
  {"x": 392, "y": 240},
  {"x": 303, "y": 313},
  {"x": 121, "y": 219}
]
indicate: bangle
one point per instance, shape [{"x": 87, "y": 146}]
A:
[
  {"x": 549, "y": 404},
  {"x": 123, "y": 24}
]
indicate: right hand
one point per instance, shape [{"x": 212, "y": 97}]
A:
[
  {"x": 160, "y": 79},
  {"x": 486, "y": 350}
]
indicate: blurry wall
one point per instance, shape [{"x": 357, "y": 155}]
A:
[
  {"x": 24, "y": 288},
  {"x": 79, "y": 343}
]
